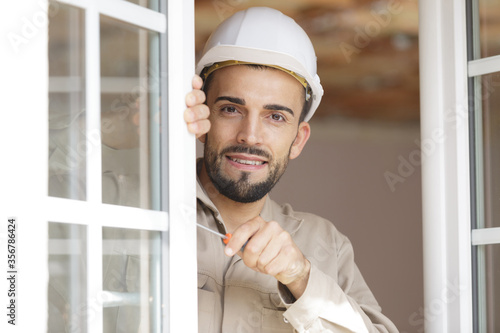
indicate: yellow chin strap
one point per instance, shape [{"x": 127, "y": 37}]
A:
[{"x": 209, "y": 70}]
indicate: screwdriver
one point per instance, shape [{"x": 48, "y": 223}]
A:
[{"x": 225, "y": 238}]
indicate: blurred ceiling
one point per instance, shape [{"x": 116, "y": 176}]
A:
[{"x": 367, "y": 52}]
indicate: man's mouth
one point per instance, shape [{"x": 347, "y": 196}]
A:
[{"x": 246, "y": 162}]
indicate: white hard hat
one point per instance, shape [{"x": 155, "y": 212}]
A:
[{"x": 264, "y": 36}]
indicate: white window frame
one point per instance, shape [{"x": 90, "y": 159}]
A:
[
  {"x": 445, "y": 166},
  {"x": 182, "y": 246},
  {"x": 25, "y": 137},
  {"x": 446, "y": 177},
  {"x": 23, "y": 189}
]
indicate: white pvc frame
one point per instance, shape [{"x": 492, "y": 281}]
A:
[
  {"x": 24, "y": 167},
  {"x": 446, "y": 180},
  {"x": 445, "y": 169},
  {"x": 33, "y": 208},
  {"x": 182, "y": 247}
]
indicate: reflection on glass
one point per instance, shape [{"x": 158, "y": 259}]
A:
[
  {"x": 67, "y": 143},
  {"x": 67, "y": 292},
  {"x": 131, "y": 280},
  {"x": 129, "y": 114},
  {"x": 151, "y": 4},
  {"x": 489, "y": 27},
  {"x": 491, "y": 149},
  {"x": 489, "y": 290}
]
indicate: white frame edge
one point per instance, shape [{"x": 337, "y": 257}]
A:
[
  {"x": 182, "y": 289},
  {"x": 23, "y": 144},
  {"x": 445, "y": 170}
]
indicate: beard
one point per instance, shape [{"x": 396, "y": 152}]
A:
[{"x": 242, "y": 189}]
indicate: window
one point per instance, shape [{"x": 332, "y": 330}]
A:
[
  {"x": 484, "y": 65},
  {"x": 108, "y": 219},
  {"x": 459, "y": 91}
]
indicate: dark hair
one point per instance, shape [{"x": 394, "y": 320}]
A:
[{"x": 305, "y": 108}]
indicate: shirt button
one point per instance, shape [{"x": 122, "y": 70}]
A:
[{"x": 285, "y": 320}]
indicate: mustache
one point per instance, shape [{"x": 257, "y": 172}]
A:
[{"x": 247, "y": 150}]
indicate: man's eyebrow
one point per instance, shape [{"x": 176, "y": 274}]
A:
[
  {"x": 278, "y": 107},
  {"x": 241, "y": 101},
  {"x": 234, "y": 100}
]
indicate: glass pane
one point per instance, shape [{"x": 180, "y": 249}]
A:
[
  {"x": 67, "y": 142},
  {"x": 490, "y": 139},
  {"x": 67, "y": 290},
  {"x": 131, "y": 280},
  {"x": 489, "y": 289},
  {"x": 151, "y": 4},
  {"x": 489, "y": 25},
  {"x": 129, "y": 115}
]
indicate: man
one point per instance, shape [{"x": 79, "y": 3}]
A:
[{"x": 282, "y": 270}]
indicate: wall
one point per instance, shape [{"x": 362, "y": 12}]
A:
[{"x": 341, "y": 175}]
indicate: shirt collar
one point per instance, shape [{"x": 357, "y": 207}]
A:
[{"x": 285, "y": 218}]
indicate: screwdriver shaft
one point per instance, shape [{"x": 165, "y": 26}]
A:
[
  {"x": 225, "y": 237},
  {"x": 210, "y": 230}
]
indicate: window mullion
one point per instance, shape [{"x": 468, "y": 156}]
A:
[
  {"x": 94, "y": 168},
  {"x": 93, "y": 105},
  {"x": 484, "y": 66},
  {"x": 486, "y": 236}
]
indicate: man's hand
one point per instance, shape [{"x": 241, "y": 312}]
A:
[
  {"x": 271, "y": 250},
  {"x": 196, "y": 114}
]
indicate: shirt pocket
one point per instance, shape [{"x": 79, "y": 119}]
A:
[
  {"x": 206, "y": 306},
  {"x": 274, "y": 322}
]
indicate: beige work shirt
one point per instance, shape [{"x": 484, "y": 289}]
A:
[{"x": 233, "y": 298}]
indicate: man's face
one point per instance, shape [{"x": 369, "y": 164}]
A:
[{"x": 254, "y": 115}]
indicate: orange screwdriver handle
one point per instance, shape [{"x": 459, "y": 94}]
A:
[{"x": 228, "y": 237}]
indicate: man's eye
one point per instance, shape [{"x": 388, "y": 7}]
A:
[
  {"x": 277, "y": 117},
  {"x": 229, "y": 109}
]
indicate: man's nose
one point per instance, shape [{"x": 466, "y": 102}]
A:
[{"x": 250, "y": 131}]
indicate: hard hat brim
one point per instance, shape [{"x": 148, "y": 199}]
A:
[{"x": 222, "y": 53}]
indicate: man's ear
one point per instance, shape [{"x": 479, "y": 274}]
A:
[{"x": 300, "y": 140}]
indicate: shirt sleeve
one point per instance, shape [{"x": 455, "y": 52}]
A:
[{"x": 336, "y": 304}]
